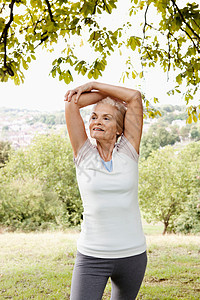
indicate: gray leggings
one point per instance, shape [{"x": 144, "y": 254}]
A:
[{"x": 91, "y": 274}]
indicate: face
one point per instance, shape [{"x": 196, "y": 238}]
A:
[{"x": 103, "y": 124}]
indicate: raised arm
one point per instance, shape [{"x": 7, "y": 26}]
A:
[
  {"x": 133, "y": 122},
  {"x": 74, "y": 121}
]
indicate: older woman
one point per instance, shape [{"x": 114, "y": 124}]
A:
[{"x": 111, "y": 242}]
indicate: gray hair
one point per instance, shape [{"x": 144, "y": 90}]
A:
[{"x": 120, "y": 113}]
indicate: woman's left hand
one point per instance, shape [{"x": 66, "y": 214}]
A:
[{"x": 87, "y": 87}]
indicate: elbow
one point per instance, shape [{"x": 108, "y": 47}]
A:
[{"x": 136, "y": 96}]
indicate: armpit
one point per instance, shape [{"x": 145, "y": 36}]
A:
[
  {"x": 83, "y": 152},
  {"x": 127, "y": 148}
]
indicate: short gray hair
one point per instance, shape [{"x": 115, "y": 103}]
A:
[{"x": 120, "y": 113}]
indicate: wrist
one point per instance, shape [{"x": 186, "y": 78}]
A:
[{"x": 94, "y": 85}]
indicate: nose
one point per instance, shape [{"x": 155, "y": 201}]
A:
[{"x": 98, "y": 121}]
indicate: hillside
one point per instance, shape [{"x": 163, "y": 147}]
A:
[{"x": 19, "y": 126}]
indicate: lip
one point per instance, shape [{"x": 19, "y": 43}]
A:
[{"x": 100, "y": 129}]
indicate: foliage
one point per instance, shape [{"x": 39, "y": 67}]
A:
[
  {"x": 189, "y": 220},
  {"x": 195, "y": 133},
  {"x": 149, "y": 143},
  {"x": 45, "y": 170},
  {"x": 172, "y": 42},
  {"x": 5, "y": 149},
  {"x": 167, "y": 180},
  {"x": 49, "y": 119},
  {"x": 26, "y": 205},
  {"x": 184, "y": 131},
  {"x": 156, "y": 137}
]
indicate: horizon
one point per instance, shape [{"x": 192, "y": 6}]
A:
[{"x": 157, "y": 105}]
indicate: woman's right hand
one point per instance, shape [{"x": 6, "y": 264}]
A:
[{"x": 87, "y": 87}]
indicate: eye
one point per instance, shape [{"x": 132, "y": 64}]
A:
[
  {"x": 93, "y": 117},
  {"x": 106, "y": 118}
]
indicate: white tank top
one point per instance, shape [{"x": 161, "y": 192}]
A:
[{"x": 111, "y": 226}]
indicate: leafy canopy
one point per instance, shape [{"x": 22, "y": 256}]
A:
[
  {"x": 171, "y": 42},
  {"x": 169, "y": 185}
]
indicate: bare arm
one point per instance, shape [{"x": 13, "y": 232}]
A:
[
  {"x": 115, "y": 92},
  {"x": 74, "y": 121},
  {"x": 84, "y": 95}
]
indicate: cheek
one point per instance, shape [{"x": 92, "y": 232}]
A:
[
  {"x": 111, "y": 126},
  {"x": 91, "y": 123}
]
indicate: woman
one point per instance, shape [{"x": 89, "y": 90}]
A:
[{"x": 111, "y": 243}]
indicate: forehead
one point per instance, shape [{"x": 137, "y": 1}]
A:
[{"x": 104, "y": 108}]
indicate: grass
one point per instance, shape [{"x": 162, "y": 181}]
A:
[{"x": 40, "y": 265}]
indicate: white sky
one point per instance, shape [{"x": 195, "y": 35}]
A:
[{"x": 42, "y": 92}]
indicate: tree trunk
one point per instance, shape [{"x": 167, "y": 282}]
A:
[{"x": 166, "y": 223}]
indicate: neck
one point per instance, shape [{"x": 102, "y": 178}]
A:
[{"x": 105, "y": 149}]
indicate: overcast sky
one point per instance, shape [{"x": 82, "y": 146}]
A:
[{"x": 42, "y": 92}]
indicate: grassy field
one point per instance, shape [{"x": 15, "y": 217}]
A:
[{"x": 39, "y": 266}]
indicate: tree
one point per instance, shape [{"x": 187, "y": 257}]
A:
[
  {"x": 184, "y": 131},
  {"x": 26, "y": 204},
  {"x": 5, "y": 148},
  {"x": 157, "y": 137},
  {"x": 189, "y": 220},
  {"x": 149, "y": 143},
  {"x": 172, "y": 42},
  {"x": 167, "y": 179},
  {"x": 41, "y": 175},
  {"x": 195, "y": 134}
]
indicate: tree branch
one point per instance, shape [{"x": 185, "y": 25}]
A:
[
  {"x": 184, "y": 21},
  {"x": 169, "y": 55},
  {"x": 145, "y": 22},
  {"x": 5, "y": 31},
  {"x": 44, "y": 37},
  {"x": 105, "y": 4},
  {"x": 3, "y": 6},
  {"x": 49, "y": 10},
  {"x": 195, "y": 23},
  {"x": 95, "y": 6},
  {"x": 195, "y": 46}
]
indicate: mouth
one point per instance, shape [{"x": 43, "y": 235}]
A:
[{"x": 97, "y": 129}]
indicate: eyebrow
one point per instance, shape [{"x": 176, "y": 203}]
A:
[{"x": 93, "y": 113}]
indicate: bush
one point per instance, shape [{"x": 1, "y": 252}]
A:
[
  {"x": 39, "y": 186},
  {"x": 28, "y": 205},
  {"x": 189, "y": 221}
]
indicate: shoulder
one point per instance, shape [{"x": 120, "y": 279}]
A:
[
  {"x": 127, "y": 148},
  {"x": 84, "y": 151}
]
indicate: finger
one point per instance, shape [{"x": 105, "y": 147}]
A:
[
  {"x": 72, "y": 92},
  {"x": 66, "y": 95},
  {"x": 77, "y": 96}
]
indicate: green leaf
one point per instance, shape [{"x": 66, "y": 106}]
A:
[
  {"x": 195, "y": 118},
  {"x": 16, "y": 80},
  {"x": 189, "y": 119},
  {"x": 155, "y": 100},
  {"x": 90, "y": 74},
  {"x": 33, "y": 57},
  {"x": 179, "y": 79},
  {"x": 24, "y": 64},
  {"x": 53, "y": 73},
  {"x": 133, "y": 74},
  {"x": 131, "y": 43}
]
